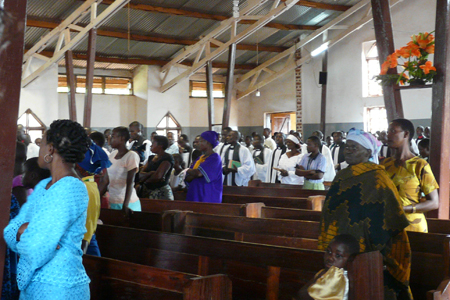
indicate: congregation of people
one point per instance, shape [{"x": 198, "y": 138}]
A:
[{"x": 387, "y": 171}]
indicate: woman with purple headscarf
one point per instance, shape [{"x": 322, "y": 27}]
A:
[
  {"x": 364, "y": 202},
  {"x": 204, "y": 178}
]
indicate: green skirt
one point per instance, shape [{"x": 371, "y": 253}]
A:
[{"x": 308, "y": 185}]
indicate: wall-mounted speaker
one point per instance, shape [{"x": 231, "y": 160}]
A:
[{"x": 323, "y": 78}]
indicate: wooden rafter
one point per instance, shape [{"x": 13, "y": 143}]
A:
[
  {"x": 40, "y": 23},
  {"x": 145, "y": 61},
  {"x": 62, "y": 34},
  {"x": 228, "y": 25},
  {"x": 216, "y": 17},
  {"x": 288, "y": 58},
  {"x": 319, "y": 5}
]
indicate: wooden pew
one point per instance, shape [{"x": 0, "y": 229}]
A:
[
  {"x": 442, "y": 292},
  {"x": 256, "y": 271},
  {"x": 434, "y": 225},
  {"x": 113, "y": 279},
  {"x": 312, "y": 202},
  {"x": 259, "y": 183},
  {"x": 290, "y": 214},
  {"x": 276, "y": 192},
  {"x": 251, "y": 210}
]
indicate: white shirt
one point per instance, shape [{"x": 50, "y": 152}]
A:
[
  {"x": 32, "y": 150},
  {"x": 245, "y": 171},
  {"x": 261, "y": 169},
  {"x": 173, "y": 149},
  {"x": 177, "y": 180},
  {"x": 118, "y": 173},
  {"x": 270, "y": 143},
  {"x": 289, "y": 164}
]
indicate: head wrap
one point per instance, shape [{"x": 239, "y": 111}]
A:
[
  {"x": 366, "y": 140},
  {"x": 293, "y": 139},
  {"x": 212, "y": 137},
  {"x": 95, "y": 160}
]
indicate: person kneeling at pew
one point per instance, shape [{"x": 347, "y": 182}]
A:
[{"x": 332, "y": 282}]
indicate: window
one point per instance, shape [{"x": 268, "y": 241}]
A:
[
  {"x": 198, "y": 89},
  {"x": 375, "y": 119},
  {"x": 371, "y": 68},
  {"x": 32, "y": 124},
  {"x": 102, "y": 85},
  {"x": 169, "y": 124}
]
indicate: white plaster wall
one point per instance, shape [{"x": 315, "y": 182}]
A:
[
  {"x": 107, "y": 110},
  {"x": 140, "y": 87},
  {"x": 175, "y": 100},
  {"x": 41, "y": 96},
  {"x": 345, "y": 102},
  {"x": 277, "y": 96},
  {"x": 199, "y": 111}
]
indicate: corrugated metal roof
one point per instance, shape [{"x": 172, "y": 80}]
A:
[{"x": 148, "y": 23}]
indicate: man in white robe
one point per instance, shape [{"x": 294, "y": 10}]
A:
[
  {"x": 269, "y": 142},
  {"x": 237, "y": 162},
  {"x": 261, "y": 156},
  {"x": 173, "y": 147},
  {"x": 272, "y": 176},
  {"x": 223, "y": 145}
]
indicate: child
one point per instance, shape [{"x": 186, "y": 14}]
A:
[
  {"x": 424, "y": 148},
  {"x": 33, "y": 173},
  {"x": 332, "y": 282},
  {"x": 313, "y": 165}
]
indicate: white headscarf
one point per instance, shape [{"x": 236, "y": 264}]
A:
[{"x": 293, "y": 139}]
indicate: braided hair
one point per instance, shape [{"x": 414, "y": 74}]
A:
[{"x": 70, "y": 140}]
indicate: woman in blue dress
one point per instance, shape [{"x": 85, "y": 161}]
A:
[
  {"x": 204, "y": 177},
  {"x": 48, "y": 231}
]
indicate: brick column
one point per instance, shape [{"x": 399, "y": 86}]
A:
[{"x": 298, "y": 92}]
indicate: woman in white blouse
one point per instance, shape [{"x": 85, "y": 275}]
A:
[{"x": 288, "y": 162}]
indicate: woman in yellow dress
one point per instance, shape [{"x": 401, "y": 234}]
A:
[{"x": 411, "y": 175}]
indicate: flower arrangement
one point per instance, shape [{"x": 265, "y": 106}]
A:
[{"x": 420, "y": 70}]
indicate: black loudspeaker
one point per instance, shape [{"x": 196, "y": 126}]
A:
[{"x": 323, "y": 78}]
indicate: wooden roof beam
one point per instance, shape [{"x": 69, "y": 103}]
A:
[
  {"x": 40, "y": 23},
  {"x": 215, "y": 17},
  {"x": 318, "y": 5},
  {"x": 145, "y": 61}
]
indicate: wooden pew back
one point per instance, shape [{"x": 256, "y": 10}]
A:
[
  {"x": 276, "y": 192},
  {"x": 114, "y": 279},
  {"x": 257, "y": 271},
  {"x": 242, "y": 209}
]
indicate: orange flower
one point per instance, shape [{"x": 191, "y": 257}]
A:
[
  {"x": 414, "y": 49},
  {"x": 427, "y": 67},
  {"x": 422, "y": 42},
  {"x": 430, "y": 49},
  {"x": 403, "y": 52},
  {"x": 384, "y": 68},
  {"x": 392, "y": 60}
]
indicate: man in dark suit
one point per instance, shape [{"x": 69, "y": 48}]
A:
[{"x": 337, "y": 150}]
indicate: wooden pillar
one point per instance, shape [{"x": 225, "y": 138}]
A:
[
  {"x": 440, "y": 118},
  {"x": 12, "y": 30},
  {"x": 89, "y": 78},
  {"x": 71, "y": 84},
  {"x": 209, "y": 91},
  {"x": 385, "y": 44},
  {"x": 323, "y": 107},
  {"x": 229, "y": 86}
]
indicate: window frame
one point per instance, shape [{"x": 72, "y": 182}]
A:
[
  {"x": 168, "y": 128},
  {"x": 366, "y": 80},
  {"x": 103, "y": 77},
  {"x": 41, "y": 128},
  {"x": 191, "y": 86}
]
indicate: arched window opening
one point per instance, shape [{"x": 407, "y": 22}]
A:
[
  {"x": 169, "y": 124},
  {"x": 34, "y": 127}
]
